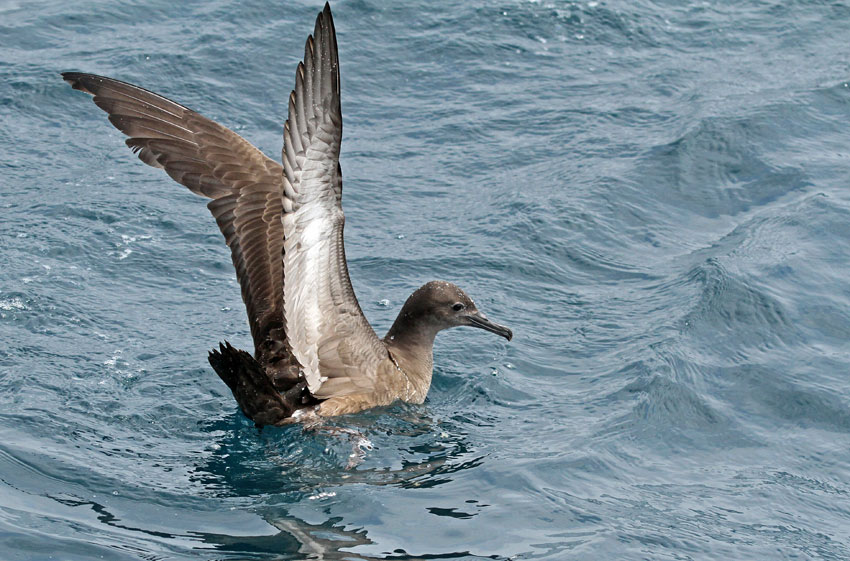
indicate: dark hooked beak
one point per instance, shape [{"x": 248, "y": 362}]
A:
[{"x": 477, "y": 319}]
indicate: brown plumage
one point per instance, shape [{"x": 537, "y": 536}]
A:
[{"x": 314, "y": 350}]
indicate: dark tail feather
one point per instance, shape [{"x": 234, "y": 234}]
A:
[{"x": 251, "y": 387}]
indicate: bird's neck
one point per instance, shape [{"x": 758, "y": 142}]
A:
[{"x": 411, "y": 345}]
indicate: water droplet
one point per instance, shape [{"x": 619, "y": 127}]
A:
[{"x": 322, "y": 495}]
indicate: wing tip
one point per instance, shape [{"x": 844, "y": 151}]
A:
[
  {"x": 77, "y": 80},
  {"x": 324, "y": 22}
]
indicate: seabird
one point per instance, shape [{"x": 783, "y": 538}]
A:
[{"x": 315, "y": 354}]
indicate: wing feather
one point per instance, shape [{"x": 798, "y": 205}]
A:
[
  {"x": 245, "y": 187},
  {"x": 327, "y": 330}
]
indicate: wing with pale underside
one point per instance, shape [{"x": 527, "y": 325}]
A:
[
  {"x": 245, "y": 187},
  {"x": 327, "y": 330}
]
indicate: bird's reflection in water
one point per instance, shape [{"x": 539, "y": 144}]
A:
[
  {"x": 291, "y": 465},
  {"x": 296, "y": 540},
  {"x": 301, "y": 541}
]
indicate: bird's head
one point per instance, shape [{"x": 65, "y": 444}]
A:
[{"x": 439, "y": 305}]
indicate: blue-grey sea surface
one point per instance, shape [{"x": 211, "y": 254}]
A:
[{"x": 654, "y": 195}]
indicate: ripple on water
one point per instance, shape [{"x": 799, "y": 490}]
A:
[{"x": 718, "y": 168}]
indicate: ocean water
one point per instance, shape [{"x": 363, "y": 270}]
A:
[{"x": 652, "y": 194}]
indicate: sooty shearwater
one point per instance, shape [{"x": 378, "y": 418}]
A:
[{"x": 315, "y": 353}]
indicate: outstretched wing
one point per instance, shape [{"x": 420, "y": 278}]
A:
[
  {"x": 245, "y": 187},
  {"x": 327, "y": 330}
]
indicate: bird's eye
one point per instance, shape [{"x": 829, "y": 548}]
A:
[{"x": 458, "y": 307}]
